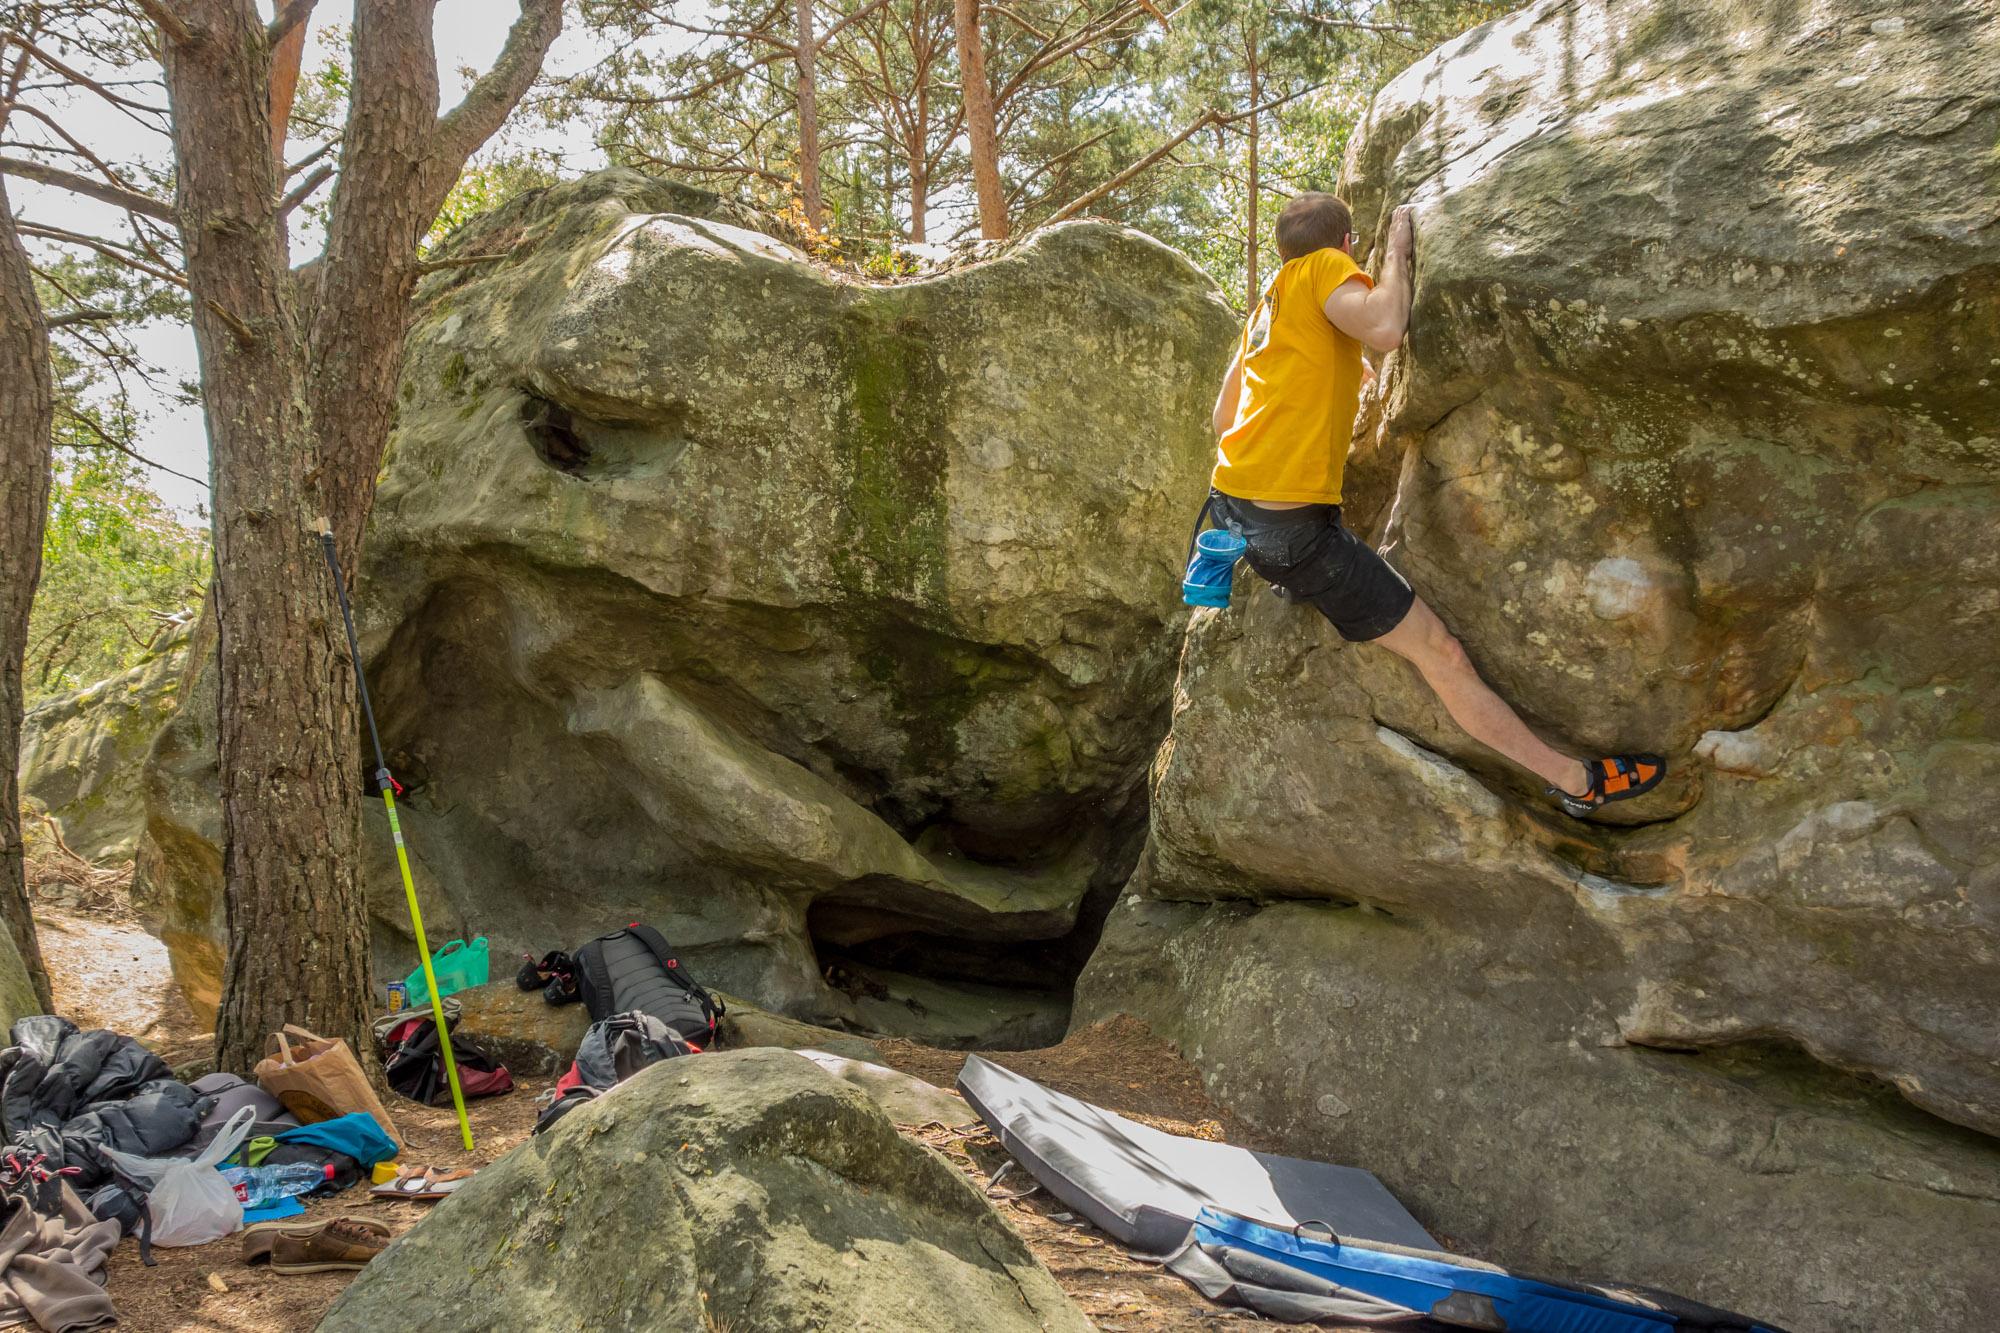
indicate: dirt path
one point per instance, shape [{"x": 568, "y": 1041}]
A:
[{"x": 109, "y": 973}]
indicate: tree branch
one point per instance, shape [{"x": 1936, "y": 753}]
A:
[
  {"x": 105, "y": 248},
  {"x": 170, "y": 23},
  {"x": 291, "y": 16},
  {"x": 1077, "y": 205},
  {"x": 303, "y": 191},
  {"x": 69, "y": 317},
  {"x": 1271, "y": 105},
  {"x": 129, "y": 200},
  {"x": 77, "y": 148},
  {"x": 113, "y": 442},
  {"x": 246, "y": 338},
  {"x": 312, "y": 157},
  {"x": 472, "y": 122},
  {"x": 1385, "y": 29},
  {"x": 848, "y": 22},
  {"x": 76, "y": 77},
  {"x": 740, "y": 34}
]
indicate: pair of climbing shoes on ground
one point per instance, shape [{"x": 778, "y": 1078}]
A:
[{"x": 1618, "y": 778}]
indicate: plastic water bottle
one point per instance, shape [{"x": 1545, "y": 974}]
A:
[{"x": 259, "y": 1185}]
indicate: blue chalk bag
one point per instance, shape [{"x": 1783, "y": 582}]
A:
[{"x": 1211, "y": 567}]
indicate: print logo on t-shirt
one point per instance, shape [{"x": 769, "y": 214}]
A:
[{"x": 1260, "y": 332}]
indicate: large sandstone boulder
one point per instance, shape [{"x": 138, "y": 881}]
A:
[
  {"x": 82, "y": 753},
  {"x": 1695, "y": 445},
  {"x": 751, "y": 1191},
  {"x": 791, "y": 613}
]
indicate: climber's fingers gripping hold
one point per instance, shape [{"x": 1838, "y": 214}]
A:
[{"x": 1403, "y": 233}]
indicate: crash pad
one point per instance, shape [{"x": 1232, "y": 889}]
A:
[
  {"x": 1296, "y": 1274},
  {"x": 1145, "y": 1187}
]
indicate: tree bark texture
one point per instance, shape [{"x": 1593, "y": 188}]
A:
[
  {"x": 806, "y": 55},
  {"x": 979, "y": 121},
  {"x": 920, "y": 168},
  {"x": 299, "y": 377},
  {"x": 286, "y": 58},
  {"x": 1256, "y": 99},
  {"x": 27, "y": 411},
  {"x": 298, "y": 938}
]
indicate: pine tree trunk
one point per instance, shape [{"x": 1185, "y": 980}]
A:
[
  {"x": 298, "y": 937},
  {"x": 920, "y": 176},
  {"x": 920, "y": 203},
  {"x": 299, "y": 375},
  {"x": 979, "y": 121},
  {"x": 27, "y": 408},
  {"x": 1256, "y": 96},
  {"x": 806, "y": 54}
]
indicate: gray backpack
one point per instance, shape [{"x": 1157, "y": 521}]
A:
[
  {"x": 635, "y": 969},
  {"x": 612, "y": 1051}
]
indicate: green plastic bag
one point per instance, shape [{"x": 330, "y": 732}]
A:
[{"x": 458, "y": 966}]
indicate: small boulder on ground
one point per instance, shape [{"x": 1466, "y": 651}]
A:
[
  {"x": 747, "y": 1190},
  {"x": 520, "y": 1029},
  {"x": 906, "y": 1099}
]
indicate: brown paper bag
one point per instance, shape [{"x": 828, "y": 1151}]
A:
[{"x": 318, "y": 1078}]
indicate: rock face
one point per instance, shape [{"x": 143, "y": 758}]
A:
[
  {"x": 82, "y": 754},
  {"x": 751, "y": 1191},
  {"x": 17, "y": 992},
  {"x": 1695, "y": 445},
  {"x": 792, "y": 614}
]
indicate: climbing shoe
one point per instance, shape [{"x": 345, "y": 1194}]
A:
[{"x": 1618, "y": 778}]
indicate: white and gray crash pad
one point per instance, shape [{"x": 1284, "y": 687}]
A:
[{"x": 1144, "y": 1187}]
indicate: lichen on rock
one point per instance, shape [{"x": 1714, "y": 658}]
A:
[
  {"x": 750, "y": 1190},
  {"x": 711, "y": 588}
]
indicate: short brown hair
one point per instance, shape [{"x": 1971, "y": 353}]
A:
[{"x": 1313, "y": 221}]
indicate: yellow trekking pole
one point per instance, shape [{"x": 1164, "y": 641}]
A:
[{"x": 388, "y": 786}]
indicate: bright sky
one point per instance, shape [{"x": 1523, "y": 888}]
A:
[{"x": 468, "y": 32}]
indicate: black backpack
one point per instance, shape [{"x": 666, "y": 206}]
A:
[
  {"x": 612, "y": 1051},
  {"x": 627, "y": 971},
  {"x": 414, "y": 1066}
]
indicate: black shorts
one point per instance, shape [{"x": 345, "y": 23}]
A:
[{"x": 1310, "y": 555}]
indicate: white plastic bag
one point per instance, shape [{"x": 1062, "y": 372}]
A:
[{"x": 192, "y": 1202}]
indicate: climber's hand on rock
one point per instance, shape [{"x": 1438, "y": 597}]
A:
[{"x": 1403, "y": 234}]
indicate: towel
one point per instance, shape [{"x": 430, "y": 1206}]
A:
[{"x": 52, "y": 1268}]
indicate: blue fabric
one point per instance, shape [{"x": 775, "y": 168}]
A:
[
  {"x": 271, "y": 1212},
  {"x": 1212, "y": 569},
  {"x": 357, "y": 1135},
  {"x": 1420, "y": 1282}
]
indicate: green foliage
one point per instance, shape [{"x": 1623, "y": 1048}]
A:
[
  {"x": 117, "y": 565},
  {"x": 118, "y": 568},
  {"x": 1335, "y": 55},
  {"x": 484, "y": 186},
  {"x": 1084, "y": 88}
]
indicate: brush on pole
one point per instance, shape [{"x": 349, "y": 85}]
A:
[{"x": 388, "y": 786}]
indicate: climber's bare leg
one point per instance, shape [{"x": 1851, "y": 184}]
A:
[{"x": 1485, "y": 716}]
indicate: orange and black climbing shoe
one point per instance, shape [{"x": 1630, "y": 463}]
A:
[{"x": 1618, "y": 778}]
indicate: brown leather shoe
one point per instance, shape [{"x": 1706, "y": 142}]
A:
[{"x": 345, "y": 1242}]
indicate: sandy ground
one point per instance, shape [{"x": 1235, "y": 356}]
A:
[{"x": 108, "y": 972}]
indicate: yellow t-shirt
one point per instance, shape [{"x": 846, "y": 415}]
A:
[{"x": 1301, "y": 386}]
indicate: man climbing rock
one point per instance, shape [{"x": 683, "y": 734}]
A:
[{"x": 1285, "y": 421}]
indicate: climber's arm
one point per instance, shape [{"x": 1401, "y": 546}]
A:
[
  {"x": 1232, "y": 391},
  {"x": 1379, "y": 316}
]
